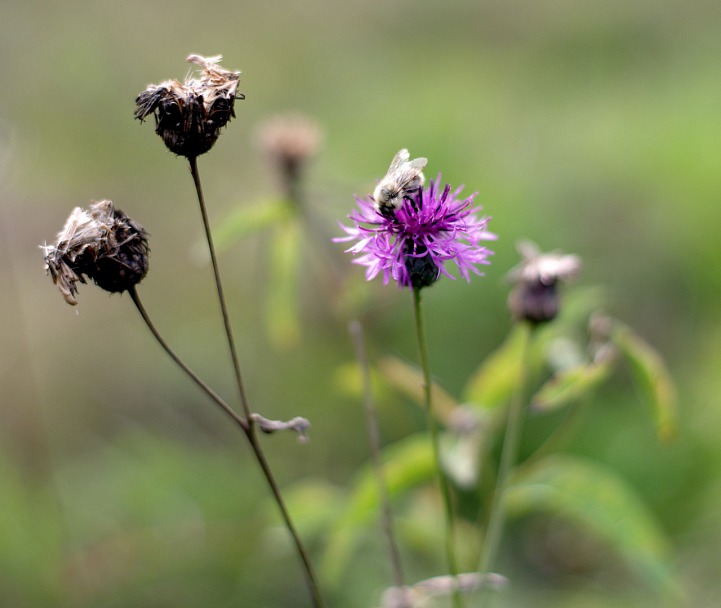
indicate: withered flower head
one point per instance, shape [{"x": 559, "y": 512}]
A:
[
  {"x": 189, "y": 115},
  {"x": 101, "y": 243},
  {"x": 535, "y": 295},
  {"x": 289, "y": 141}
]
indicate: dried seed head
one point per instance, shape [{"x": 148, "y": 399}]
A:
[
  {"x": 189, "y": 115},
  {"x": 535, "y": 296},
  {"x": 101, "y": 243},
  {"x": 289, "y": 141}
]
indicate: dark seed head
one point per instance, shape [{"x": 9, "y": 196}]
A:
[
  {"x": 190, "y": 115},
  {"x": 101, "y": 243}
]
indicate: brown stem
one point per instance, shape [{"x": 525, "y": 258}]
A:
[
  {"x": 250, "y": 427},
  {"x": 219, "y": 287},
  {"x": 206, "y": 389},
  {"x": 356, "y": 331}
]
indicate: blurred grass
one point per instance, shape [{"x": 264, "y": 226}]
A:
[{"x": 591, "y": 127}]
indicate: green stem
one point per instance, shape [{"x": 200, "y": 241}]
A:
[
  {"x": 250, "y": 427},
  {"x": 435, "y": 443},
  {"x": 509, "y": 453},
  {"x": 557, "y": 437}
]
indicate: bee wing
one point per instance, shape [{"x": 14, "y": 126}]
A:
[
  {"x": 418, "y": 164},
  {"x": 398, "y": 161},
  {"x": 410, "y": 172}
]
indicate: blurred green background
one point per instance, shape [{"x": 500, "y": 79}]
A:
[{"x": 588, "y": 126}]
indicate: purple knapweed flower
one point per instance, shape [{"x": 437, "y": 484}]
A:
[{"x": 412, "y": 245}]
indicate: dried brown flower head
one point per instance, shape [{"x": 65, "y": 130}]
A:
[
  {"x": 101, "y": 243},
  {"x": 535, "y": 295},
  {"x": 189, "y": 115}
]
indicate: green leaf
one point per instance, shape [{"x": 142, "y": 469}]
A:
[
  {"x": 652, "y": 376},
  {"x": 571, "y": 384},
  {"x": 283, "y": 275},
  {"x": 409, "y": 380},
  {"x": 407, "y": 464},
  {"x": 493, "y": 382},
  {"x": 347, "y": 381},
  {"x": 598, "y": 499},
  {"x": 249, "y": 219},
  {"x": 312, "y": 502}
]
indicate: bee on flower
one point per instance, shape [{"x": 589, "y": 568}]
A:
[{"x": 429, "y": 226}]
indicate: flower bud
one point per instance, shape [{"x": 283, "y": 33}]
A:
[
  {"x": 101, "y": 243},
  {"x": 289, "y": 141},
  {"x": 189, "y": 115},
  {"x": 422, "y": 270},
  {"x": 535, "y": 296}
]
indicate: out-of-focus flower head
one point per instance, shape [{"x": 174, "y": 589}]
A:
[
  {"x": 289, "y": 141},
  {"x": 101, "y": 243},
  {"x": 189, "y": 115},
  {"x": 534, "y": 297},
  {"x": 413, "y": 244}
]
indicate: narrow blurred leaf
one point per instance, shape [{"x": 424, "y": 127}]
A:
[
  {"x": 461, "y": 458},
  {"x": 409, "y": 380},
  {"x": 347, "y": 380},
  {"x": 408, "y": 463},
  {"x": 464, "y": 444},
  {"x": 599, "y": 500},
  {"x": 248, "y": 219},
  {"x": 491, "y": 385},
  {"x": 283, "y": 274},
  {"x": 652, "y": 377},
  {"x": 571, "y": 384}
]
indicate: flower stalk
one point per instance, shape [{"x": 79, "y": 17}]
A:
[
  {"x": 509, "y": 455},
  {"x": 251, "y": 435},
  {"x": 443, "y": 481},
  {"x": 356, "y": 331},
  {"x": 193, "y": 161},
  {"x": 250, "y": 420},
  {"x": 219, "y": 401}
]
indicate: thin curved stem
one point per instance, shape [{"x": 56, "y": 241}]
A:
[
  {"x": 435, "y": 442},
  {"x": 193, "y": 160},
  {"x": 254, "y": 443},
  {"x": 509, "y": 454},
  {"x": 250, "y": 426},
  {"x": 182, "y": 365},
  {"x": 311, "y": 580},
  {"x": 356, "y": 331}
]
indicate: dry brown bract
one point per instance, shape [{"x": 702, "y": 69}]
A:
[
  {"x": 101, "y": 243},
  {"x": 189, "y": 115}
]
